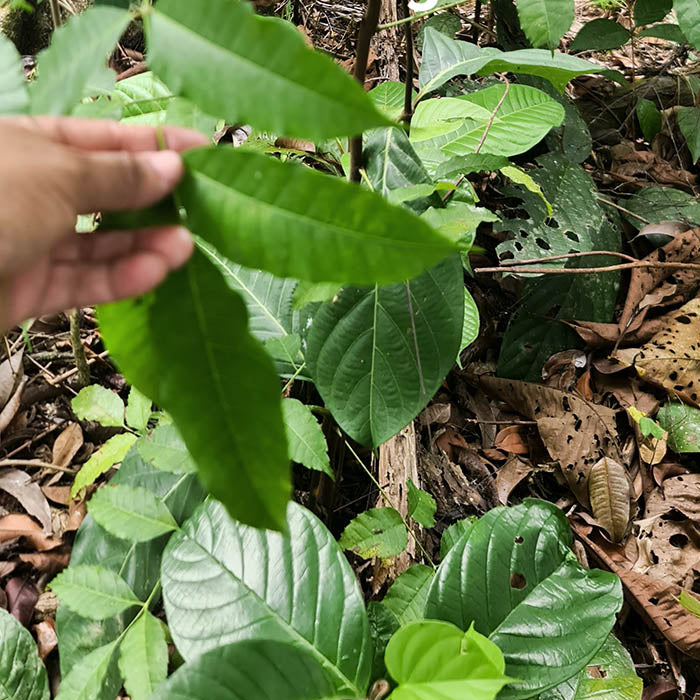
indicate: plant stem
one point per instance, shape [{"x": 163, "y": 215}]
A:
[
  {"x": 568, "y": 256},
  {"x": 55, "y": 13},
  {"x": 589, "y": 270},
  {"x": 420, "y": 15},
  {"x": 81, "y": 362},
  {"x": 364, "y": 37},
  {"x": 408, "y": 94}
]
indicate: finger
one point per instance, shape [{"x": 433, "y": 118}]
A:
[{"x": 102, "y": 135}]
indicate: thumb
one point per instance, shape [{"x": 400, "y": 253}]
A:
[{"x": 123, "y": 180}]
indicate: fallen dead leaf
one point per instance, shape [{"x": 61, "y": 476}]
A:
[
  {"x": 435, "y": 413},
  {"x": 510, "y": 475},
  {"x": 49, "y": 563},
  {"x": 67, "y": 445},
  {"x": 22, "y": 596},
  {"x": 11, "y": 373},
  {"x": 46, "y": 638},
  {"x": 513, "y": 440},
  {"x": 21, "y": 487},
  {"x": 609, "y": 492},
  {"x": 12, "y": 406},
  {"x": 19, "y": 525},
  {"x": 57, "y": 494}
]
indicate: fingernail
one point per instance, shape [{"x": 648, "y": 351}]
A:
[{"x": 166, "y": 164}]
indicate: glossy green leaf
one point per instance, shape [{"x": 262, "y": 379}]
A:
[
  {"x": 656, "y": 203},
  {"x": 650, "y": 11},
  {"x": 65, "y": 74},
  {"x": 683, "y": 425},
  {"x": 99, "y": 404},
  {"x": 256, "y": 669},
  {"x": 600, "y": 35},
  {"x": 13, "y": 90},
  {"x": 515, "y": 578},
  {"x": 165, "y": 449},
  {"x": 445, "y": 58},
  {"x": 276, "y": 90},
  {"x": 688, "y": 13},
  {"x": 454, "y": 533},
  {"x": 433, "y": 660},
  {"x": 545, "y": 21},
  {"x": 421, "y": 505},
  {"x": 224, "y": 581},
  {"x": 133, "y": 514},
  {"x": 22, "y": 674},
  {"x": 241, "y": 201},
  {"x": 667, "y": 32},
  {"x": 88, "y": 679},
  {"x": 408, "y": 594},
  {"x": 378, "y": 532},
  {"x": 689, "y": 123},
  {"x": 307, "y": 443},
  {"x": 138, "y": 410},
  {"x": 112, "y": 452},
  {"x": 93, "y": 592},
  {"x": 143, "y": 657},
  {"x": 649, "y": 118},
  {"x": 609, "y": 675},
  {"x": 377, "y": 357}
]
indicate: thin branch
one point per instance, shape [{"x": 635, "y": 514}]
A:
[
  {"x": 367, "y": 29},
  {"x": 622, "y": 209},
  {"x": 55, "y": 13},
  {"x": 408, "y": 94},
  {"x": 35, "y": 463},
  {"x": 76, "y": 342},
  {"x": 568, "y": 256},
  {"x": 589, "y": 270}
]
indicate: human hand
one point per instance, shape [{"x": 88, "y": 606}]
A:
[{"x": 51, "y": 170}]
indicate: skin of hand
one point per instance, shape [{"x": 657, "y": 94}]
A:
[{"x": 51, "y": 170}]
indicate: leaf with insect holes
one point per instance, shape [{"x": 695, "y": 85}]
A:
[
  {"x": 111, "y": 453},
  {"x": 378, "y": 532},
  {"x": 421, "y": 505},
  {"x": 143, "y": 657},
  {"x": 99, "y": 404},
  {"x": 307, "y": 443},
  {"x": 609, "y": 493}
]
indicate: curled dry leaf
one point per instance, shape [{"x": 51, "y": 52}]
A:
[
  {"x": 12, "y": 406},
  {"x": 18, "y": 525},
  {"x": 67, "y": 445},
  {"x": 609, "y": 491},
  {"x": 513, "y": 440},
  {"x": 510, "y": 475},
  {"x": 21, "y": 487},
  {"x": 46, "y": 638},
  {"x": 22, "y": 596},
  {"x": 11, "y": 373}
]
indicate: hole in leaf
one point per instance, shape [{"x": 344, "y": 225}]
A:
[
  {"x": 519, "y": 540},
  {"x": 543, "y": 244},
  {"x": 572, "y": 236},
  {"x": 678, "y": 540},
  {"x": 518, "y": 581}
]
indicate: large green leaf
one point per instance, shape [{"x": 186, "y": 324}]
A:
[
  {"x": 609, "y": 675},
  {"x": 22, "y": 674},
  {"x": 13, "y": 91},
  {"x": 377, "y": 356},
  {"x": 683, "y": 425},
  {"x": 207, "y": 361},
  {"x": 515, "y": 578},
  {"x": 90, "y": 679},
  {"x": 143, "y": 657},
  {"x": 445, "y": 58},
  {"x": 64, "y": 73},
  {"x": 256, "y": 669},
  {"x": 545, "y": 21},
  {"x": 408, "y": 594},
  {"x": 688, "y": 13},
  {"x": 224, "y": 581},
  {"x": 273, "y": 80},
  {"x": 296, "y": 222},
  {"x": 144, "y": 99},
  {"x": 433, "y": 660}
]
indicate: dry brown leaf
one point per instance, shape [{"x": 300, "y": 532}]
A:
[
  {"x": 49, "y": 563},
  {"x": 671, "y": 359},
  {"x": 513, "y": 440},
  {"x": 436, "y": 413},
  {"x": 510, "y": 475},
  {"x": 7, "y": 567},
  {"x": 575, "y": 432},
  {"x": 12, "y": 406},
  {"x": 21, "y": 487},
  {"x": 46, "y": 638},
  {"x": 21, "y": 599},
  {"x": 57, "y": 494},
  {"x": 19, "y": 525},
  {"x": 609, "y": 491},
  {"x": 67, "y": 445},
  {"x": 11, "y": 373}
]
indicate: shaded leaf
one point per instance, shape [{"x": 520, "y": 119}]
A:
[
  {"x": 378, "y": 532},
  {"x": 165, "y": 449},
  {"x": 600, "y": 35},
  {"x": 421, "y": 505},
  {"x": 143, "y": 657},
  {"x": 307, "y": 443},
  {"x": 389, "y": 98},
  {"x": 689, "y": 123},
  {"x": 454, "y": 534},
  {"x": 655, "y": 204},
  {"x": 667, "y": 32},
  {"x": 408, "y": 594},
  {"x": 22, "y": 673},
  {"x": 610, "y": 493},
  {"x": 649, "y": 118},
  {"x": 650, "y": 11},
  {"x": 688, "y": 13},
  {"x": 138, "y": 410}
]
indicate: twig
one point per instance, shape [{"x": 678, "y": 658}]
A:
[
  {"x": 76, "y": 342},
  {"x": 622, "y": 209},
  {"x": 589, "y": 270},
  {"x": 408, "y": 94},
  {"x": 35, "y": 463},
  {"x": 55, "y": 13},
  {"x": 568, "y": 256},
  {"x": 367, "y": 29},
  {"x": 66, "y": 375}
]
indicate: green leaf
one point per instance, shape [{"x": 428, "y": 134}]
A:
[
  {"x": 538, "y": 596},
  {"x": 520, "y": 177},
  {"x": 683, "y": 425},
  {"x": 143, "y": 657},
  {"x": 165, "y": 449},
  {"x": 470, "y": 327},
  {"x": 433, "y": 660},
  {"x": 277, "y": 90},
  {"x": 378, "y": 532},
  {"x": 649, "y": 118},
  {"x": 307, "y": 443},
  {"x": 256, "y": 669},
  {"x": 93, "y": 592},
  {"x": 111, "y": 453},
  {"x": 667, "y": 32},
  {"x": 445, "y": 58},
  {"x": 689, "y": 123},
  {"x": 655, "y": 204},
  {"x": 223, "y": 582},
  {"x": 454, "y": 534},
  {"x": 377, "y": 359},
  {"x": 470, "y": 163},
  {"x": 389, "y": 98},
  {"x": 310, "y": 292},
  {"x": 650, "y": 11},
  {"x": 688, "y": 13},
  {"x": 13, "y": 90},
  {"x": 22, "y": 674},
  {"x": 87, "y": 680},
  {"x": 64, "y": 74},
  {"x": 421, "y": 506},
  {"x": 408, "y": 594},
  {"x": 446, "y": 23},
  {"x": 138, "y": 410},
  {"x": 600, "y": 35},
  {"x": 133, "y": 514},
  {"x": 459, "y": 221},
  {"x": 382, "y": 624},
  {"x": 690, "y": 603},
  {"x": 99, "y": 404},
  {"x": 240, "y": 201},
  {"x": 610, "y": 675},
  {"x": 545, "y": 21},
  {"x": 144, "y": 99}
]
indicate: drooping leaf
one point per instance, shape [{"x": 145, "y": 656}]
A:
[
  {"x": 650, "y": 11},
  {"x": 13, "y": 90},
  {"x": 421, "y": 505},
  {"x": 689, "y": 123},
  {"x": 93, "y": 592},
  {"x": 688, "y": 13},
  {"x": 333, "y": 230},
  {"x": 190, "y": 48},
  {"x": 521, "y": 177},
  {"x": 138, "y": 410},
  {"x": 545, "y": 21},
  {"x": 408, "y": 594},
  {"x": 165, "y": 449},
  {"x": 600, "y": 35},
  {"x": 22, "y": 674},
  {"x": 433, "y": 660},
  {"x": 133, "y": 514},
  {"x": 307, "y": 443},
  {"x": 65, "y": 74},
  {"x": 445, "y": 58},
  {"x": 610, "y": 494},
  {"x": 112, "y": 452},
  {"x": 256, "y": 669},
  {"x": 99, "y": 404},
  {"x": 514, "y": 577},
  {"x": 377, "y": 357},
  {"x": 223, "y": 582},
  {"x": 649, "y": 118},
  {"x": 88, "y": 679},
  {"x": 143, "y": 657},
  {"x": 459, "y": 221},
  {"x": 378, "y": 532},
  {"x": 683, "y": 425}
]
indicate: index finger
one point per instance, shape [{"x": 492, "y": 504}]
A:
[{"x": 102, "y": 135}]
